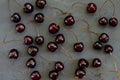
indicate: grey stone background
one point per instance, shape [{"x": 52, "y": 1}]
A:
[{"x": 16, "y": 70}]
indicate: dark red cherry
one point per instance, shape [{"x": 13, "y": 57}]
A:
[
  {"x": 113, "y": 21},
  {"x": 13, "y": 54},
  {"x": 69, "y": 20},
  {"x": 53, "y": 28},
  {"x": 15, "y": 17},
  {"x": 31, "y": 63},
  {"x": 104, "y": 38},
  {"x": 91, "y": 8},
  {"x": 32, "y": 50},
  {"x": 59, "y": 66},
  {"x": 98, "y": 45},
  {"x": 35, "y": 75},
  {"x": 53, "y": 75},
  {"x": 28, "y": 40},
  {"x": 28, "y": 8},
  {"x": 52, "y": 46},
  {"x": 20, "y": 27},
  {"x": 108, "y": 49},
  {"x": 40, "y": 3},
  {"x": 80, "y": 73},
  {"x": 96, "y": 62},
  {"x": 83, "y": 63},
  {"x": 60, "y": 39},
  {"x": 78, "y": 47},
  {"x": 103, "y": 21},
  {"x": 39, "y": 18},
  {"x": 39, "y": 40}
]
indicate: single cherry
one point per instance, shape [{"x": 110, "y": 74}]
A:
[
  {"x": 28, "y": 40},
  {"x": 78, "y": 47},
  {"x": 83, "y": 63},
  {"x": 20, "y": 27},
  {"x": 31, "y": 63},
  {"x": 103, "y": 21},
  {"x": 104, "y": 38},
  {"x": 69, "y": 20},
  {"x": 91, "y": 8},
  {"x": 108, "y": 49},
  {"x": 80, "y": 73},
  {"x": 53, "y": 28},
  {"x": 32, "y": 50},
  {"x": 53, "y": 75},
  {"x": 39, "y": 18},
  {"x": 35, "y": 75},
  {"x": 15, "y": 17},
  {"x": 13, "y": 54},
  {"x": 60, "y": 39},
  {"x": 59, "y": 66},
  {"x": 52, "y": 46},
  {"x": 96, "y": 62},
  {"x": 28, "y": 8},
  {"x": 98, "y": 45},
  {"x": 40, "y": 3},
  {"x": 113, "y": 22},
  {"x": 39, "y": 40}
]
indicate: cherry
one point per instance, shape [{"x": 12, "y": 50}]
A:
[
  {"x": 83, "y": 63},
  {"x": 91, "y": 8},
  {"x": 53, "y": 75},
  {"x": 15, "y": 17},
  {"x": 103, "y": 21},
  {"x": 59, "y": 66},
  {"x": 78, "y": 47},
  {"x": 104, "y": 38},
  {"x": 69, "y": 20},
  {"x": 20, "y": 27},
  {"x": 53, "y": 28},
  {"x": 35, "y": 75},
  {"x": 13, "y": 54},
  {"x": 113, "y": 22},
  {"x": 52, "y": 46},
  {"x": 96, "y": 62},
  {"x": 28, "y": 8},
  {"x": 60, "y": 39},
  {"x": 98, "y": 45},
  {"x": 80, "y": 73},
  {"x": 28, "y": 40},
  {"x": 39, "y": 18},
  {"x": 108, "y": 49},
  {"x": 32, "y": 50},
  {"x": 39, "y": 40},
  {"x": 31, "y": 63},
  {"x": 40, "y": 3}
]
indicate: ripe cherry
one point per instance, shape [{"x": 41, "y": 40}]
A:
[
  {"x": 53, "y": 75},
  {"x": 83, "y": 63},
  {"x": 96, "y": 62},
  {"x": 20, "y": 27},
  {"x": 28, "y": 8},
  {"x": 103, "y": 21},
  {"x": 60, "y": 39},
  {"x": 31, "y": 63},
  {"x": 40, "y": 3},
  {"x": 98, "y": 45},
  {"x": 52, "y": 46},
  {"x": 53, "y": 28},
  {"x": 39, "y": 40},
  {"x": 28, "y": 40},
  {"x": 78, "y": 47},
  {"x": 35, "y": 75},
  {"x": 104, "y": 38},
  {"x": 113, "y": 22},
  {"x": 15, "y": 17},
  {"x": 13, "y": 54},
  {"x": 69, "y": 20},
  {"x": 32, "y": 50},
  {"x": 39, "y": 18},
  {"x": 59, "y": 66},
  {"x": 91, "y": 8},
  {"x": 108, "y": 49},
  {"x": 80, "y": 73}
]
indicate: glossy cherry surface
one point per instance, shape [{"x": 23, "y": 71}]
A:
[
  {"x": 20, "y": 27},
  {"x": 52, "y": 46},
  {"x": 28, "y": 40},
  {"x": 80, "y": 73},
  {"x": 83, "y": 63},
  {"x": 60, "y": 39},
  {"x": 104, "y": 38},
  {"x": 31, "y": 63},
  {"x": 28, "y": 8},
  {"x": 53, "y": 75},
  {"x": 32, "y": 50},
  {"x": 108, "y": 49},
  {"x": 59, "y": 66},
  {"x": 15, "y": 17},
  {"x": 13, "y": 54},
  {"x": 40, "y": 3},
  {"x": 91, "y": 8},
  {"x": 69, "y": 20},
  {"x": 98, "y": 45},
  {"x": 113, "y": 21},
  {"x": 39, "y": 40},
  {"x": 78, "y": 47},
  {"x": 35, "y": 75},
  {"x": 54, "y": 28},
  {"x": 103, "y": 21},
  {"x": 96, "y": 62}
]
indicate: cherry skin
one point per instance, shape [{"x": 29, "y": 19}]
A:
[
  {"x": 69, "y": 20},
  {"x": 53, "y": 75},
  {"x": 52, "y": 46},
  {"x": 28, "y": 40},
  {"x": 40, "y": 3},
  {"x": 32, "y": 50},
  {"x": 28, "y": 8},
  {"x": 53, "y": 28},
  {"x": 78, "y": 47},
  {"x": 96, "y": 62},
  {"x": 103, "y": 21},
  {"x": 113, "y": 22},
  {"x": 83, "y": 63},
  {"x": 20, "y": 28},
  {"x": 80, "y": 73},
  {"x": 60, "y": 39},
  {"x": 15, "y": 17},
  {"x": 104, "y": 38},
  {"x": 31, "y": 63},
  {"x": 98, "y": 45},
  {"x": 35, "y": 75},
  {"x": 108, "y": 49},
  {"x": 91, "y": 8},
  {"x": 39, "y": 40},
  {"x": 39, "y": 18},
  {"x": 13, "y": 54},
  {"x": 59, "y": 66}
]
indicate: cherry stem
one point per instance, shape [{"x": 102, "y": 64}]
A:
[{"x": 74, "y": 3}]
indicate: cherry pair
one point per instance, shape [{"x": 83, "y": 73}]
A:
[{"x": 35, "y": 75}]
